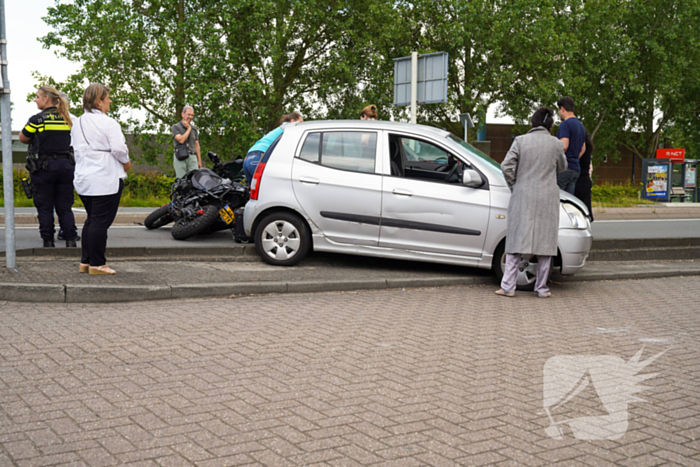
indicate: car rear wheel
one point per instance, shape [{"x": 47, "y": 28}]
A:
[
  {"x": 282, "y": 239},
  {"x": 527, "y": 268}
]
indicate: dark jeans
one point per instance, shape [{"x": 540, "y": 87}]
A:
[
  {"x": 53, "y": 190},
  {"x": 567, "y": 180},
  {"x": 101, "y": 211},
  {"x": 250, "y": 164}
]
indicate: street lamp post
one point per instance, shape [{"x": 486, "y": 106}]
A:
[{"x": 5, "y": 114}]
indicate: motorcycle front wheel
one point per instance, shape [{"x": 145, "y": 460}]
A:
[
  {"x": 183, "y": 229},
  {"x": 158, "y": 218}
]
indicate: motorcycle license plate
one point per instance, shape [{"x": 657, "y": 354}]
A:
[{"x": 226, "y": 214}]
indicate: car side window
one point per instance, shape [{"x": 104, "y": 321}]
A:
[
  {"x": 421, "y": 160},
  {"x": 346, "y": 150}
]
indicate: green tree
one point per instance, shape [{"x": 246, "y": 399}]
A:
[
  {"x": 628, "y": 64},
  {"x": 581, "y": 52},
  {"x": 497, "y": 49},
  {"x": 663, "y": 88}
]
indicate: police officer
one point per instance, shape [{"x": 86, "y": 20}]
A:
[{"x": 51, "y": 164}]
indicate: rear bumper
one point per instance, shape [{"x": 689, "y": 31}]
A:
[
  {"x": 574, "y": 246},
  {"x": 250, "y": 212}
]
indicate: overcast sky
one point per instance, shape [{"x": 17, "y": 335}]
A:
[{"x": 25, "y": 55}]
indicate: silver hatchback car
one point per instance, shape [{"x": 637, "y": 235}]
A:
[{"x": 392, "y": 190}]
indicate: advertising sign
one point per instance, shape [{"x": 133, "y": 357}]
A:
[
  {"x": 657, "y": 181},
  {"x": 690, "y": 177},
  {"x": 676, "y": 155}
]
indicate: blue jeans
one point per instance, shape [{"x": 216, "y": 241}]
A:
[
  {"x": 567, "y": 180},
  {"x": 250, "y": 164}
]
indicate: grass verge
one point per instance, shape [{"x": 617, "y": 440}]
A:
[{"x": 615, "y": 196}]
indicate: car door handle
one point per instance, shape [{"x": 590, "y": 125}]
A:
[
  {"x": 310, "y": 181},
  {"x": 398, "y": 191}
]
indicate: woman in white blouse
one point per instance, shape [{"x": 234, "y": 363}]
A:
[{"x": 101, "y": 162}]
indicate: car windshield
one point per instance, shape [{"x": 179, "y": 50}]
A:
[{"x": 473, "y": 151}]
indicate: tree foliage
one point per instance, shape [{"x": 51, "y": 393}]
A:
[{"x": 628, "y": 64}]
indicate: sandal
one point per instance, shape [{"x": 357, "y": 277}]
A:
[
  {"x": 502, "y": 293},
  {"x": 544, "y": 295},
  {"x": 83, "y": 268},
  {"x": 101, "y": 270}
]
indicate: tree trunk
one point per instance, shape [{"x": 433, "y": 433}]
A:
[{"x": 179, "y": 97}]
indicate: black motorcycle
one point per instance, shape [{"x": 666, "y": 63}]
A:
[{"x": 203, "y": 200}]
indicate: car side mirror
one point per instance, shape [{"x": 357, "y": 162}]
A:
[{"x": 472, "y": 179}]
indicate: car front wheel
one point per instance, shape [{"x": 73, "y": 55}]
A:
[{"x": 282, "y": 239}]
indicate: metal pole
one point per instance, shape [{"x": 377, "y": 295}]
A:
[
  {"x": 414, "y": 86},
  {"x": 7, "y": 173}
]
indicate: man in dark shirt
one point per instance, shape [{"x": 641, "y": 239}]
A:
[
  {"x": 51, "y": 163},
  {"x": 573, "y": 135}
]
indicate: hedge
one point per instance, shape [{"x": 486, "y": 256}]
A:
[{"x": 140, "y": 190}]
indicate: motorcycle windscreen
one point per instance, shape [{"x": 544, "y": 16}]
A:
[{"x": 206, "y": 179}]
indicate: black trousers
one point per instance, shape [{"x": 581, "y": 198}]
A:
[
  {"x": 583, "y": 191},
  {"x": 101, "y": 211},
  {"x": 53, "y": 190}
]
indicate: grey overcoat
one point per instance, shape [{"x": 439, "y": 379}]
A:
[{"x": 530, "y": 169}]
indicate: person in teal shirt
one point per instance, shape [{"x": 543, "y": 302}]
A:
[{"x": 261, "y": 146}]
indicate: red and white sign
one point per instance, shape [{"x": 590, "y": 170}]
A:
[{"x": 676, "y": 155}]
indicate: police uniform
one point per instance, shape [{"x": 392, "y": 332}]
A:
[{"x": 52, "y": 166}]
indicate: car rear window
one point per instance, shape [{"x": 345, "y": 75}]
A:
[{"x": 345, "y": 150}]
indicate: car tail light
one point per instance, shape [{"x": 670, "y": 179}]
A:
[{"x": 255, "y": 183}]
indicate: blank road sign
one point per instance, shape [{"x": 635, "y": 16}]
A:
[
  {"x": 432, "y": 79},
  {"x": 402, "y": 81}
]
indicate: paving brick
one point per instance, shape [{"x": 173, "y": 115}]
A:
[
  {"x": 358, "y": 454},
  {"x": 240, "y": 459},
  {"x": 98, "y": 457},
  {"x": 191, "y": 451},
  {"x": 647, "y": 460},
  {"x": 19, "y": 450},
  {"x": 486, "y": 458}
]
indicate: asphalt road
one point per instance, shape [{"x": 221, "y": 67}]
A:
[
  {"x": 429, "y": 377},
  {"x": 649, "y": 228},
  {"x": 135, "y": 235}
]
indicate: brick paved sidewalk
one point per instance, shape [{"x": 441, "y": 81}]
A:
[
  {"x": 448, "y": 376},
  {"x": 320, "y": 267},
  {"x": 160, "y": 272}
]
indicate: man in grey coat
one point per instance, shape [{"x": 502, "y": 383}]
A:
[{"x": 530, "y": 169}]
